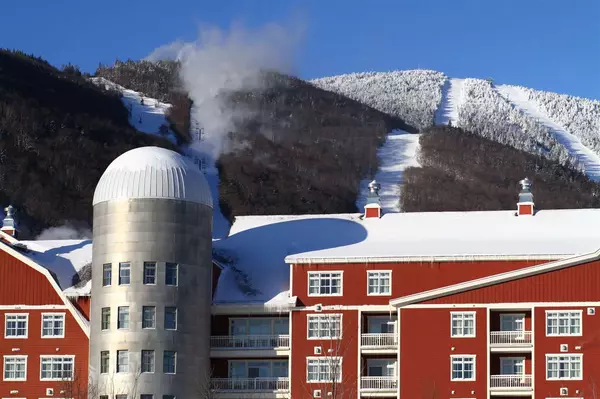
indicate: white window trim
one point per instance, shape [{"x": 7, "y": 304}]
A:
[
  {"x": 518, "y": 358},
  {"x": 328, "y": 358},
  {"x": 4, "y": 367},
  {"x": 155, "y": 321},
  {"x": 566, "y": 311},
  {"x": 119, "y": 273},
  {"x": 153, "y": 360},
  {"x": 341, "y": 272},
  {"x": 144, "y": 272},
  {"x": 474, "y": 368},
  {"x": 57, "y": 356},
  {"x": 117, "y": 361},
  {"x": 64, "y": 317},
  {"x": 379, "y": 271},
  {"x": 110, "y": 267},
  {"x": 308, "y": 316},
  {"x": 128, "y": 318},
  {"x": 100, "y": 368},
  {"x": 174, "y": 363},
  {"x": 474, "y": 335},
  {"x": 26, "y": 327},
  {"x": 579, "y": 355},
  {"x": 176, "y": 318}
]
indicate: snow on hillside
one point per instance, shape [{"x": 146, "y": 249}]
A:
[
  {"x": 589, "y": 159},
  {"x": 580, "y": 116},
  {"x": 412, "y": 95},
  {"x": 397, "y": 153},
  {"x": 484, "y": 111},
  {"x": 452, "y": 100}
]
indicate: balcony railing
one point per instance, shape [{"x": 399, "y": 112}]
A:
[
  {"x": 378, "y": 383},
  {"x": 519, "y": 382},
  {"x": 266, "y": 384},
  {"x": 249, "y": 341},
  {"x": 510, "y": 338},
  {"x": 381, "y": 340}
]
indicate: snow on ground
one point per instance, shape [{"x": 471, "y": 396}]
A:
[
  {"x": 452, "y": 98},
  {"x": 588, "y": 158},
  {"x": 397, "y": 153}
]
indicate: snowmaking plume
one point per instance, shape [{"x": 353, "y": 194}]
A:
[
  {"x": 222, "y": 62},
  {"x": 65, "y": 232}
]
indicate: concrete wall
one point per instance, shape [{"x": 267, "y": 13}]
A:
[{"x": 161, "y": 231}]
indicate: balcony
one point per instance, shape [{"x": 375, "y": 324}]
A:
[
  {"x": 379, "y": 342},
  {"x": 378, "y": 385},
  {"x": 249, "y": 345},
  {"x": 510, "y": 339},
  {"x": 267, "y": 384},
  {"x": 519, "y": 382}
]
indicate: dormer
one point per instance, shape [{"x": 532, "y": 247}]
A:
[
  {"x": 525, "y": 205},
  {"x": 373, "y": 205}
]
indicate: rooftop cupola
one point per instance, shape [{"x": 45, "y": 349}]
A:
[
  {"x": 373, "y": 205},
  {"x": 525, "y": 204},
  {"x": 9, "y": 225}
]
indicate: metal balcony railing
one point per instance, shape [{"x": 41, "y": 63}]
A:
[
  {"x": 249, "y": 341},
  {"x": 266, "y": 384},
  {"x": 378, "y": 383},
  {"x": 379, "y": 340},
  {"x": 510, "y": 338},
  {"x": 519, "y": 382}
]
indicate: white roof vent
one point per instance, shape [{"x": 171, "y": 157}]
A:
[{"x": 153, "y": 172}]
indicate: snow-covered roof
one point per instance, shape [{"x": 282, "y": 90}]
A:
[
  {"x": 64, "y": 258},
  {"x": 152, "y": 172}
]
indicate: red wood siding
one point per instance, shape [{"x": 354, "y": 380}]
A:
[
  {"x": 590, "y": 348},
  {"x": 83, "y": 303},
  {"x": 372, "y": 212},
  {"x": 407, "y": 278},
  {"x": 302, "y": 348},
  {"x": 23, "y": 285},
  {"x": 573, "y": 284},
  {"x": 425, "y": 350},
  {"x": 525, "y": 210}
]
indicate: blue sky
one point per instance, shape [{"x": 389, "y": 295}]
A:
[{"x": 545, "y": 44}]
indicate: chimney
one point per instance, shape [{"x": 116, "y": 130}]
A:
[
  {"x": 9, "y": 226},
  {"x": 525, "y": 204},
  {"x": 373, "y": 207}
]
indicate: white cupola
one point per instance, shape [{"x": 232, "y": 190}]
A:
[
  {"x": 373, "y": 205},
  {"x": 525, "y": 205}
]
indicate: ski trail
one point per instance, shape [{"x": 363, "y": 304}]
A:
[
  {"x": 452, "y": 98},
  {"x": 588, "y": 158},
  {"x": 397, "y": 153}
]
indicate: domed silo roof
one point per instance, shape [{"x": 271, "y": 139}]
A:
[{"x": 152, "y": 172}]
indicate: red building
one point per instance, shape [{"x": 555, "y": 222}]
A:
[{"x": 430, "y": 305}]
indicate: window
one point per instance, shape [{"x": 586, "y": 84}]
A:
[
  {"x": 381, "y": 367},
  {"x": 16, "y": 325},
  {"x": 171, "y": 273},
  {"x": 123, "y": 320},
  {"x": 106, "y": 274},
  {"x": 149, "y": 272},
  {"x": 512, "y": 365},
  {"x": 122, "y": 361},
  {"x": 168, "y": 396},
  {"x": 324, "y": 326},
  {"x": 258, "y": 369},
  {"x": 105, "y": 323},
  {"x": 324, "y": 369},
  {"x": 321, "y": 284},
  {"x": 381, "y": 324},
  {"x": 103, "y": 396},
  {"x": 146, "y": 396},
  {"x": 121, "y": 396},
  {"x": 124, "y": 273},
  {"x": 169, "y": 362},
  {"x": 104, "y": 362},
  {"x": 259, "y": 326},
  {"x": 15, "y": 368},
  {"x": 563, "y": 367},
  {"x": 149, "y": 317},
  {"x": 147, "y": 361},
  {"x": 560, "y": 323},
  {"x": 462, "y": 368},
  {"x": 53, "y": 325},
  {"x": 170, "y": 318},
  {"x": 462, "y": 324},
  {"x": 57, "y": 368},
  {"x": 379, "y": 282}
]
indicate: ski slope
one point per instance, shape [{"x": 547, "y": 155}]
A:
[
  {"x": 586, "y": 157},
  {"x": 397, "y": 153},
  {"x": 452, "y": 98}
]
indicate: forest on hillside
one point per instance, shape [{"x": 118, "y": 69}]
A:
[
  {"x": 462, "y": 171},
  {"x": 58, "y": 133}
]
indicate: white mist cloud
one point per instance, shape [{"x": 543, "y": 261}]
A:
[
  {"x": 220, "y": 62},
  {"x": 65, "y": 232}
]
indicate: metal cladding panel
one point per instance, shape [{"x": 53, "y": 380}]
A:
[
  {"x": 572, "y": 284},
  {"x": 23, "y": 285},
  {"x": 426, "y": 348},
  {"x": 153, "y": 230},
  {"x": 407, "y": 278}
]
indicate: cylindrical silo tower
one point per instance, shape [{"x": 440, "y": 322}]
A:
[{"x": 151, "y": 277}]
